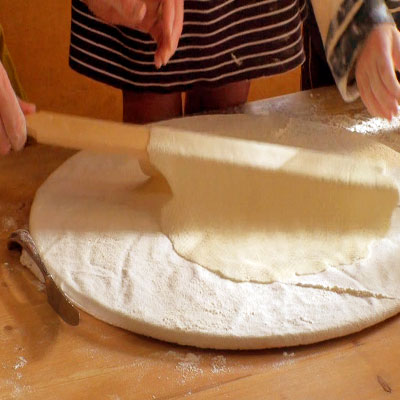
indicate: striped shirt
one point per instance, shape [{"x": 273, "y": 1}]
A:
[{"x": 223, "y": 41}]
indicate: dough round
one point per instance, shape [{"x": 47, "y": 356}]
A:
[
  {"x": 106, "y": 252},
  {"x": 261, "y": 212}
]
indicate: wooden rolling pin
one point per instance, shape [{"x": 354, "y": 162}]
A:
[{"x": 90, "y": 134}]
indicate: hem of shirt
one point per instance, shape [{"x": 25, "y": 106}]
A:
[{"x": 240, "y": 76}]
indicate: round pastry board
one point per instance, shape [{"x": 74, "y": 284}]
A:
[{"x": 109, "y": 256}]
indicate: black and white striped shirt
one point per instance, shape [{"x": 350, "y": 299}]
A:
[{"x": 222, "y": 41}]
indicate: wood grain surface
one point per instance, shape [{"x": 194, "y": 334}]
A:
[{"x": 43, "y": 358}]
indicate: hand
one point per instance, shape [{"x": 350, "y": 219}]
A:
[
  {"x": 167, "y": 30},
  {"x": 162, "y": 19},
  {"x": 375, "y": 71},
  {"x": 12, "y": 120}
]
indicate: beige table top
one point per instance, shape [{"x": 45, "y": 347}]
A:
[{"x": 43, "y": 358}]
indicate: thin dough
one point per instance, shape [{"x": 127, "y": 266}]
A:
[
  {"x": 260, "y": 212},
  {"x": 102, "y": 244}
]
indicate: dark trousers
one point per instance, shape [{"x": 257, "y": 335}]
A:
[{"x": 315, "y": 71}]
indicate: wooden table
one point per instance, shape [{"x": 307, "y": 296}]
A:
[{"x": 43, "y": 358}]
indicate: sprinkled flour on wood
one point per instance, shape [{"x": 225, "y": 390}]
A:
[
  {"x": 286, "y": 354},
  {"x": 283, "y": 363},
  {"x": 189, "y": 367},
  {"x": 384, "y": 131},
  {"x": 17, "y": 391},
  {"x": 7, "y": 223},
  {"x": 218, "y": 365},
  {"x": 362, "y": 123},
  {"x": 21, "y": 363}
]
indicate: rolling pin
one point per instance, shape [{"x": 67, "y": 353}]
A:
[{"x": 83, "y": 133}]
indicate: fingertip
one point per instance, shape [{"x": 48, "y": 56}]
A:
[
  {"x": 386, "y": 114},
  {"x": 17, "y": 135},
  {"x": 142, "y": 12},
  {"x": 157, "y": 61},
  {"x": 5, "y": 148},
  {"x": 162, "y": 54},
  {"x": 383, "y": 112},
  {"x": 391, "y": 108},
  {"x": 20, "y": 143},
  {"x": 166, "y": 60},
  {"x": 395, "y": 111},
  {"x": 31, "y": 108},
  {"x": 27, "y": 108},
  {"x": 166, "y": 56}
]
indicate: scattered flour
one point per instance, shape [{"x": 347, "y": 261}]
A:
[
  {"x": 368, "y": 125},
  {"x": 40, "y": 286},
  {"x": 286, "y": 354},
  {"x": 21, "y": 363},
  {"x": 283, "y": 363},
  {"x": 15, "y": 389},
  {"x": 362, "y": 123},
  {"x": 7, "y": 223},
  {"x": 8, "y": 266},
  {"x": 237, "y": 61},
  {"x": 385, "y": 131},
  {"x": 189, "y": 366},
  {"x": 218, "y": 365}
]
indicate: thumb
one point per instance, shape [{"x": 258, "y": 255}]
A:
[
  {"x": 157, "y": 34},
  {"x": 396, "y": 50},
  {"x": 27, "y": 108}
]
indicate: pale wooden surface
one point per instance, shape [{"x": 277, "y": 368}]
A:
[{"x": 43, "y": 358}]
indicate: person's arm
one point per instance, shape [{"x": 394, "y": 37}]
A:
[
  {"x": 375, "y": 71},
  {"x": 12, "y": 109},
  {"x": 12, "y": 119},
  {"x": 362, "y": 48}
]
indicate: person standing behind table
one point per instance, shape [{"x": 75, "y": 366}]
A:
[
  {"x": 224, "y": 44},
  {"x": 363, "y": 52},
  {"x": 360, "y": 38},
  {"x": 12, "y": 105}
]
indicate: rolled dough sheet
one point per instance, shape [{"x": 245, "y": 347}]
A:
[
  {"x": 106, "y": 251},
  {"x": 254, "y": 211}
]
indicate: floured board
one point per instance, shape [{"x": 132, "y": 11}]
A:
[{"x": 118, "y": 266}]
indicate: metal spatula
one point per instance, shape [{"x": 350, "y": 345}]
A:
[{"x": 55, "y": 297}]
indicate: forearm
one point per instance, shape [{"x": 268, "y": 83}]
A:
[
  {"x": 5, "y": 59},
  {"x": 344, "y": 27}
]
